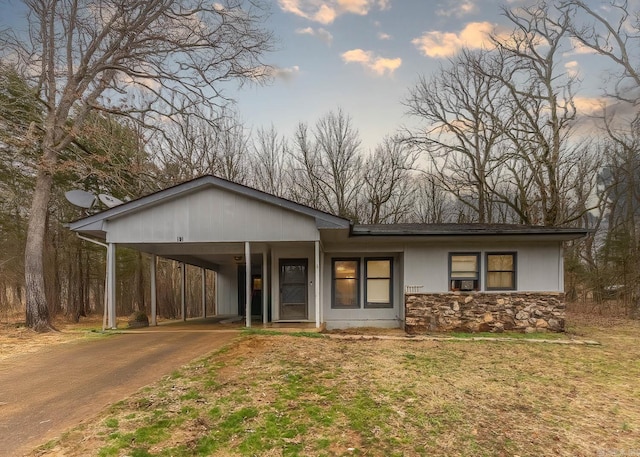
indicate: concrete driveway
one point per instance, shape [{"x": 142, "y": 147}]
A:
[{"x": 44, "y": 393}]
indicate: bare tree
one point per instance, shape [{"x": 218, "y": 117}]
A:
[
  {"x": 268, "y": 166},
  {"x": 388, "y": 194},
  {"x": 461, "y": 105},
  {"x": 85, "y": 56},
  {"x": 432, "y": 205},
  {"x": 304, "y": 165},
  {"x": 540, "y": 180},
  {"x": 325, "y": 168}
]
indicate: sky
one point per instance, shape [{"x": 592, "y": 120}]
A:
[{"x": 363, "y": 56}]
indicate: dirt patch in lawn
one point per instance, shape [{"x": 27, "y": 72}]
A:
[{"x": 286, "y": 395}]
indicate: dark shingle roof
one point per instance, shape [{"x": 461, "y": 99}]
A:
[{"x": 463, "y": 229}]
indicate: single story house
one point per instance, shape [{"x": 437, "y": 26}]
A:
[{"x": 279, "y": 261}]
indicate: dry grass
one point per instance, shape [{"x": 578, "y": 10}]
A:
[
  {"x": 17, "y": 340},
  {"x": 287, "y": 395}
]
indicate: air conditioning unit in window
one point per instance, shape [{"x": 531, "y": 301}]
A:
[{"x": 466, "y": 285}]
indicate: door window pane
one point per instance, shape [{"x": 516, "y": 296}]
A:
[{"x": 293, "y": 293}]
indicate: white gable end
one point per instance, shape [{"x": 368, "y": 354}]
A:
[{"x": 209, "y": 215}]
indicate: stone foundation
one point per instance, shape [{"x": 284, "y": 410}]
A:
[{"x": 485, "y": 312}]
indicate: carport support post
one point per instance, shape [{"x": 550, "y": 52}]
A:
[
  {"x": 317, "y": 281},
  {"x": 204, "y": 292},
  {"x": 111, "y": 284},
  {"x": 183, "y": 290},
  {"x": 265, "y": 295},
  {"x": 247, "y": 292},
  {"x": 154, "y": 293}
]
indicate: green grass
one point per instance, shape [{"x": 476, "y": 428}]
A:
[{"x": 294, "y": 396}]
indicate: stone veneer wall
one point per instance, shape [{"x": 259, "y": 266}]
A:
[{"x": 485, "y": 312}]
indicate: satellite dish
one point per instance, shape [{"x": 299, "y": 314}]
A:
[
  {"x": 80, "y": 198},
  {"x": 109, "y": 200}
]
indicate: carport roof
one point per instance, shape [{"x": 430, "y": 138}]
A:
[{"x": 93, "y": 224}]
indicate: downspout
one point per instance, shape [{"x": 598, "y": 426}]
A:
[{"x": 104, "y": 245}]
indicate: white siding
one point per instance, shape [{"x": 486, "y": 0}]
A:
[
  {"x": 374, "y": 317},
  {"x": 538, "y": 264},
  {"x": 212, "y": 215},
  {"x": 227, "y": 290}
]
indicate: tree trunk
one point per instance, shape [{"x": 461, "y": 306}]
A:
[{"x": 37, "y": 311}]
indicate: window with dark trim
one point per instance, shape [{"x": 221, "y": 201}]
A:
[
  {"x": 501, "y": 271},
  {"x": 464, "y": 271},
  {"x": 378, "y": 290},
  {"x": 345, "y": 289}
]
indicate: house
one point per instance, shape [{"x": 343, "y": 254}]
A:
[{"x": 279, "y": 261}]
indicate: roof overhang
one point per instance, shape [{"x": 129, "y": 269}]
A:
[
  {"x": 94, "y": 225},
  {"x": 467, "y": 231}
]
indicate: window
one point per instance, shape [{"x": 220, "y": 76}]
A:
[
  {"x": 464, "y": 271},
  {"x": 379, "y": 283},
  {"x": 501, "y": 271},
  {"x": 346, "y": 283}
]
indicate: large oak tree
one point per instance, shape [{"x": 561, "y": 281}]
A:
[{"x": 147, "y": 59}]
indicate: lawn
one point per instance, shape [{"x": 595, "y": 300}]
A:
[{"x": 278, "y": 394}]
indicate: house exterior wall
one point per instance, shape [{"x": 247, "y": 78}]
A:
[
  {"x": 539, "y": 272},
  {"x": 362, "y": 316},
  {"x": 212, "y": 214},
  {"x": 227, "y": 290},
  {"x": 539, "y": 264}
]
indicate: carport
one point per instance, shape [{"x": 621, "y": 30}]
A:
[{"x": 265, "y": 250}]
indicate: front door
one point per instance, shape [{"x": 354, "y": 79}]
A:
[{"x": 293, "y": 289}]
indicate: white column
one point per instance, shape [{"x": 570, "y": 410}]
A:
[
  {"x": 183, "y": 290},
  {"x": 247, "y": 259},
  {"x": 321, "y": 288},
  {"x": 111, "y": 285},
  {"x": 265, "y": 292},
  {"x": 204, "y": 292},
  {"x": 317, "y": 281},
  {"x": 154, "y": 293}
]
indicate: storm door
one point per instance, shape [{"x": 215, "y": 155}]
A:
[{"x": 293, "y": 289}]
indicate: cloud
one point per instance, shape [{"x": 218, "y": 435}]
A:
[
  {"x": 379, "y": 65},
  {"x": 281, "y": 73},
  {"x": 573, "y": 68},
  {"x": 577, "y": 48},
  {"x": 326, "y": 11},
  {"x": 383, "y": 36},
  {"x": 321, "y": 33},
  {"x": 589, "y": 106},
  {"x": 458, "y": 8},
  {"x": 437, "y": 44},
  {"x": 286, "y": 73}
]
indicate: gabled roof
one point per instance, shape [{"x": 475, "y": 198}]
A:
[
  {"x": 93, "y": 223},
  {"x": 436, "y": 230}
]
